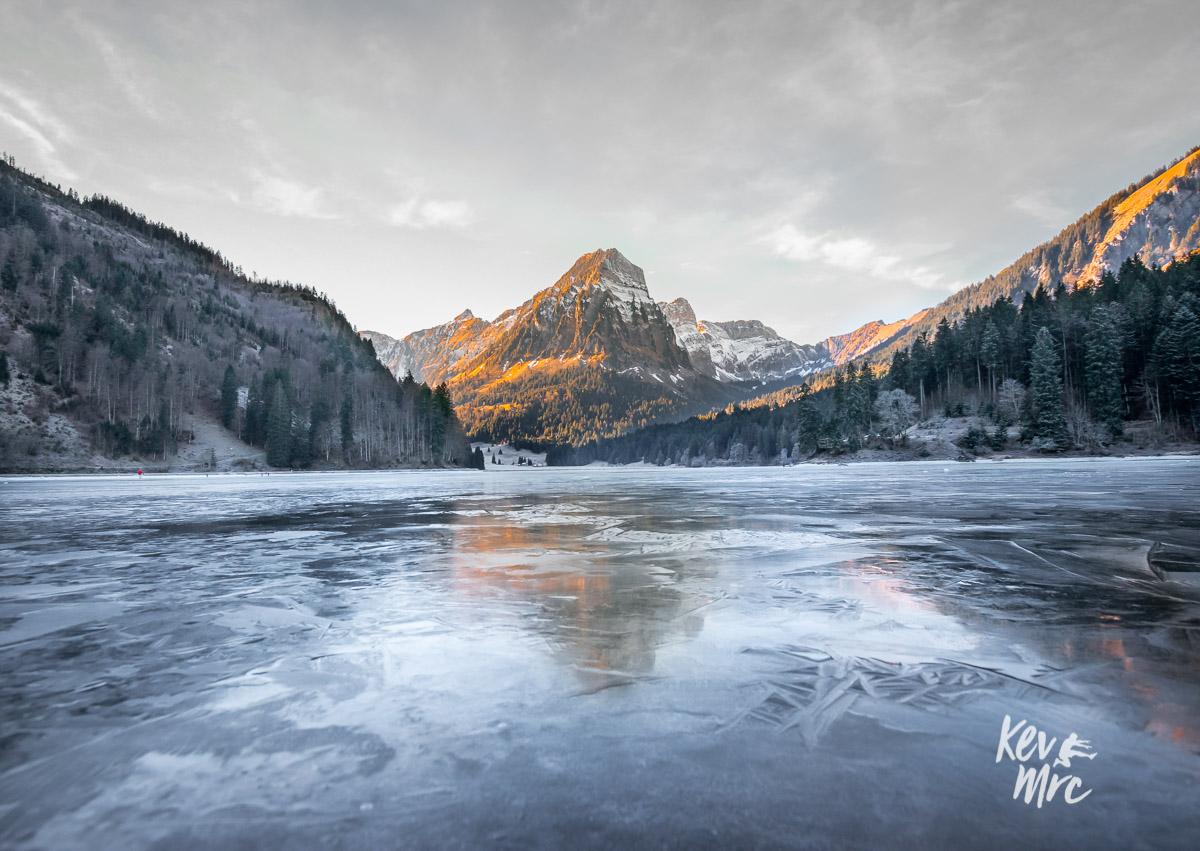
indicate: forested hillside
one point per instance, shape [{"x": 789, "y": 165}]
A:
[
  {"x": 1069, "y": 369},
  {"x": 1156, "y": 218},
  {"x": 121, "y": 338}
]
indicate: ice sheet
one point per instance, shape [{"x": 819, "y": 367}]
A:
[{"x": 810, "y": 656}]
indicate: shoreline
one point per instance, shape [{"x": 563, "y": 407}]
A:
[{"x": 593, "y": 467}]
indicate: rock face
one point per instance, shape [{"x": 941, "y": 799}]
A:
[
  {"x": 430, "y": 355},
  {"x": 1159, "y": 222},
  {"x": 1157, "y": 218},
  {"x": 599, "y": 308},
  {"x": 846, "y": 347},
  {"x": 590, "y": 356},
  {"x": 741, "y": 351}
]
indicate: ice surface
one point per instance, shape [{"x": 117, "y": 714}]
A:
[{"x": 809, "y": 656}]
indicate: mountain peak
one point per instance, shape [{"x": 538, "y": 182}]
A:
[
  {"x": 465, "y": 315},
  {"x": 606, "y": 269},
  {"x": 615, "y": 257},
  {"x": 591, "y": 267}
]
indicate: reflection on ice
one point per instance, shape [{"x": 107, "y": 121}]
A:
[{"x": 607, "y": 658}]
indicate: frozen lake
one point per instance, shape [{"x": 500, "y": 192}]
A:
[{"x": 812, "y": 656}]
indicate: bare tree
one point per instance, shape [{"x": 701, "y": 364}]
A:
[
  {"x": 896, "y": 411},
  {"x": 1010, "y": 399}
]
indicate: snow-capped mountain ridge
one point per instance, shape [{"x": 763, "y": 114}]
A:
[{"x": 741, "y": 350}]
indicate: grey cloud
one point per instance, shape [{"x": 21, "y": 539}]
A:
[{"x": 413, "y": 157}]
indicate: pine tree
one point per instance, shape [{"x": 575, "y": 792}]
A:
[
  {"x": 945, "y": 352},
  {"x": 858, "y": 407},
  {"x": 279, "y": 428},
  {"x": 300, "y": 443},
  {"x": 900, "y": 374},
  {"x": 441, "y": 412},
  {"x": 254, "y": 427},
  {"x": 442, "y": 400},
  {"x": 922, "y": 369},
  {"x": 1046, "y": 391},
  {"x": 1176, "y": 357},
  {"x": 989, "y": 353},
  {"x": 1103, "y": 371},
  {"x": 229, "y": 397}
]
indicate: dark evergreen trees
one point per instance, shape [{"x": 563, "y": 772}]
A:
[
  {"x": 229, "y": 397},
  {"x": 945, "y": 351},
  {"x": 441, "y": 412},
  {"x": 1046, "y": 391},
  {"x": 1104, "y": 371},
  {"x": 1175, "y": 360},
  {"x": 279, "y": 427},
  {"x": 254, "y": 430},
  {"x": 990, "y": 354}
]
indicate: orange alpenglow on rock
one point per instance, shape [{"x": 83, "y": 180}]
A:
[{"x": 590, "y": 356}]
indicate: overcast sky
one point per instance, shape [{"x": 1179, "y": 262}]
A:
[{"x": 813, "y": 165}]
